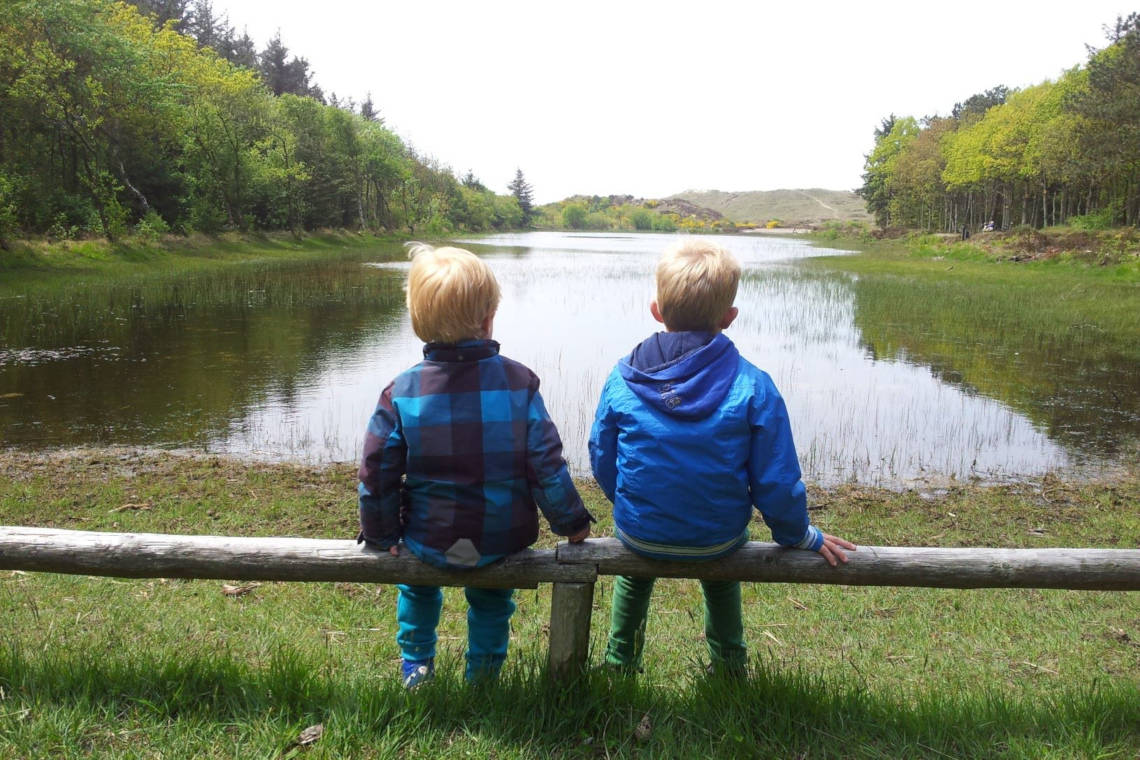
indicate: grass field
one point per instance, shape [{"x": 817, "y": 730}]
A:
[{"x": 97, "y": 667}]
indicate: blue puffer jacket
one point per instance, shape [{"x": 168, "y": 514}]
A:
[{"x": 688, "y": 438}]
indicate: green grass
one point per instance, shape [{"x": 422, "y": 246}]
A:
[
  {"x": 162, "y": 668},
  {"x": 35, "y": 265},
  {"x": 1109, "y": 255}
]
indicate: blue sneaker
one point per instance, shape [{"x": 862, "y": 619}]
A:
[{"x": 417, "y": 672}]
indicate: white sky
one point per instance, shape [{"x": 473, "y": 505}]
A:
[{"x": 655, "y": 98}]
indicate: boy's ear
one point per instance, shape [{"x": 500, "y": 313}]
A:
[
  {"x": 656, "y": 312},
  {"x": 728, "y": 318}
]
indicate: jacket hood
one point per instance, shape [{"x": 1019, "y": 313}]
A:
[{"x": 683, "y": 374}]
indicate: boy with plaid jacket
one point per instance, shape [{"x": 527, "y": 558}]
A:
[{"x": 457, "y": 455}]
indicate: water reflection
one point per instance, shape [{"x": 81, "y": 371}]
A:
[
  {"x": 178, "y": 362},
  {"x": 288, "y": 363},
  {"x": 573, "y": 304},
  {"x": 1075, "y": 380}
]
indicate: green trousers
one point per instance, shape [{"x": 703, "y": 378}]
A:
[{"x": 724, "y": 629}]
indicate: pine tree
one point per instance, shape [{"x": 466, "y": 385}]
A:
[
  {"x": 243, "y": 52},
  {"x": 368, "y": 110},
  {"x": 165, "y": 10},
  {"x": 208, "y": 28},
  {"x": 282, "y": 75},
  {"x": 524, "y": 194},
  {"x": 472, "y": 182}
]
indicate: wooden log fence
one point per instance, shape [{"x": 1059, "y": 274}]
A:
[{"x": 571, "y": 568}]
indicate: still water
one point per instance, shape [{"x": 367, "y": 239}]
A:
[{"x": 286, "y": 362}]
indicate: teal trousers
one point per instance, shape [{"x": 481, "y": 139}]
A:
[
  {"x": 489, "y": 613},
  {"x": 724, "y": 628}
]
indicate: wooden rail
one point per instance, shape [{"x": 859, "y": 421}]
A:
[
  {"x": 572, "y": 568},
  {"x": 932, "y": 567}
]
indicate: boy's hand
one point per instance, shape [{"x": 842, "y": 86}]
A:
[
  {"x": 394, "y": 550},
  {"x": 580, "y": 536},
  {"x": 831, "y": 550}
]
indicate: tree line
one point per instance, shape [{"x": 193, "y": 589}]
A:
[
  {"x": 1063, "y": 152},
  {"x": 157, "y": 116}
]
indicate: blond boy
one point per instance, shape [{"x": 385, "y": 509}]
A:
[
  {"x": 457, "y": 455},
  {"x": 688, "y": 438}
]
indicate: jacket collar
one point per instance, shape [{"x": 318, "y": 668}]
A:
[{"x": 463, "y": 351}]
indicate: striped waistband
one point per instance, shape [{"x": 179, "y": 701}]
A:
[{"x": 670, "y": 551}]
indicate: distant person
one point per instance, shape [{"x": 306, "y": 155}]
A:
[
  {"x": 989, "y": 226},
  {"x": 688, "y": 438},
  {"x": 965, "y": 232},
  {"x": 457, "y": 454}
]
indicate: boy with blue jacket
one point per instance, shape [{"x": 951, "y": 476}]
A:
[
  {"x": 689, "y": 436},
  {"x": 457, "y": 455}
]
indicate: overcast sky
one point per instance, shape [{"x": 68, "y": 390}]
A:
[{"x": 655, "y": 98}]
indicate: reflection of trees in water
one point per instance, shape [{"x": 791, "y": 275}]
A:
[
  {"x": 1075, "y": 380},
  {"x": 182, "y": 358}
]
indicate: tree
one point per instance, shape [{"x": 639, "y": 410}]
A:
[
  {"x": 205, "y": 26},
  {"x": 165, "y": 10},
  {"x": 242, "y": 51},
  {"x": 524, "y": 194},
  {"x": 7, "y": 211},
  {"x": 917, "y": 186},
  {"x": 885, "y": 127},
  {"x": 282, "y": 75},
  {"x": 108, "y": 118},
  {"x": 368, "y": 110},
  {"x": 879, "y": 174},
  {"x": 1110, "y": 108},
  {"x": 975, "y": 106},
  {"x": 472, "y": 182},
  {"x": 90, "y": 112}
]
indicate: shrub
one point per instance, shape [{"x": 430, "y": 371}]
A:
[
  {"x": 7, "y": 208},
  {"x": 642, "y": 219},
  {"x": 598, "y": 221},
  {"x": 152, "y": 226},
  {"x": 1103, "y": 219},
  {"x": 574, "y": 216}
]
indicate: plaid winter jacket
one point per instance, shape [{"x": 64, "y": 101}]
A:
[{"x": 457, "y": 455}]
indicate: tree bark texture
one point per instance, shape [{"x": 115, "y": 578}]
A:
[
  {"x": 153, "y": 555},
  {"x": 1087, "y": 569}
]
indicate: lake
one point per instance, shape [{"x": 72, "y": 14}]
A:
[{"x": 285, "y": 362}]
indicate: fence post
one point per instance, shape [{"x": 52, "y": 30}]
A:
[{"x": 571, "y": 605}]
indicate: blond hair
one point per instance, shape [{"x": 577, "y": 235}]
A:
[
  {"x": 696, "y": 285},
  {"x": 450, "y": 293}
]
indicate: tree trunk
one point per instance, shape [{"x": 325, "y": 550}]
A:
[
  {"x": 137, "y": 193},
  {"x": 1006, "y": 205},
  {"x": 360, "y": 206}
]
